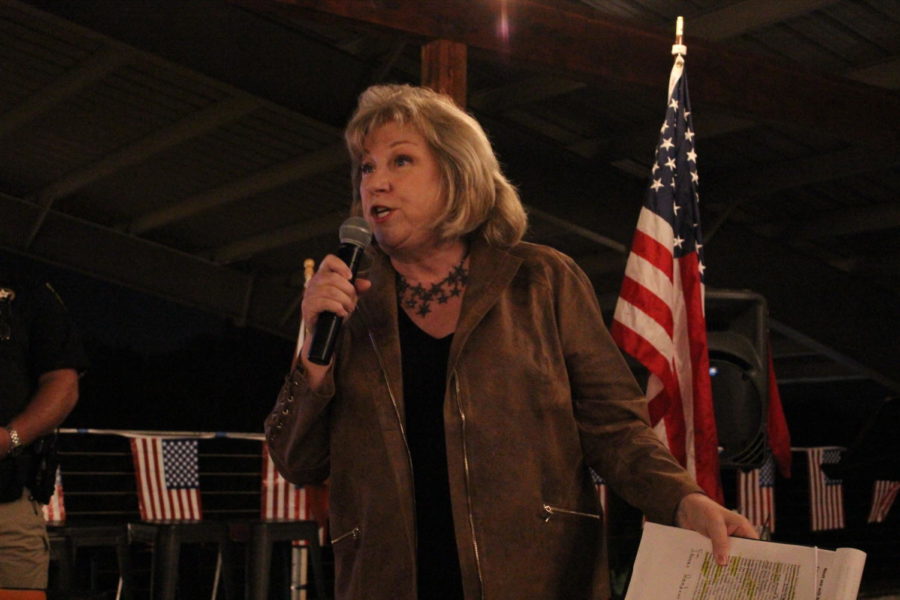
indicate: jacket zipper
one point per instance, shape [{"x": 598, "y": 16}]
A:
[
  {"x": 549, "y": 511},
  {"x": 462, "y": 417},
  {"x": 354, "y": 533},
  {"x": 412, "y": 475}
]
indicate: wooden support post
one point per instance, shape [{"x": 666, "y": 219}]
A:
[{"x": 444, "y": 69}]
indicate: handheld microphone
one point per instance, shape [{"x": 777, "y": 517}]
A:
[{"x": 355, "y": 237}]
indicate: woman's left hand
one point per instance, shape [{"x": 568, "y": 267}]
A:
[{"x": 704, "y": 515}]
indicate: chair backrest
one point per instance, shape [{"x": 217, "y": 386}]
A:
[
  {"x": 55, "y": 510},
  {"x": 281, "y": 499},
  {"x": 167, "y": 477}
]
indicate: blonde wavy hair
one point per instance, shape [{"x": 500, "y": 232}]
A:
[{"x": 478, "y": 197}]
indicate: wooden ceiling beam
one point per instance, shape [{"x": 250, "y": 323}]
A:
[
  {"x": 765, "y": 180},
  {"x": 270, "y": 240},
  {"x": 573, "y": 41},
  {"x": 885, "y": 74},
  {"x": 190, "y": 127},
  {"x": 526, "y": 91},
  {"x": 741, "y": 17},
  {"x": 809, "y": 369},
  {"x": 194, "y": 125},
  {"x": 847, "y": 363},
  {"x": 147, "y": 266},
  {"x": 577, "y": 230},
  {"x": 301, "y": 167},
  {"x": 640, "y": 142},
  {"x": 851, "y": 221},
  {"x": 882, "y": 265},
  {"x": 95, "y": 67}
]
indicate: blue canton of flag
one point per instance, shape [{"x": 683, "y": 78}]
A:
[
  {"x": 767, "y": 473},
  {"x": 673, "y": 191},
  {"x": 180, "y": 464},
  {"x": 830, "y": 457}
]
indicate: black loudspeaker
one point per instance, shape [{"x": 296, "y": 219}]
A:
[{"x": 737, "y": 334}]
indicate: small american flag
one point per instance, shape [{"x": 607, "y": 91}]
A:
[
  {"x": 825, "y": 494},
  {"x": 284, "y": 500},
  {"x": 602, "y": 492},
  {"x": 756, "y": 495},
  {"x": 168, "y": 480},
  {"x": 55, "y": 510},
  {"x": 883, "y": 495},
  {"x": 659, "y": 317}
]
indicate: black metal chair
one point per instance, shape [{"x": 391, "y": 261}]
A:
[
  {"x": 285, "y": 518},
  {"x": 66, "y": 538},
  {"x": 167, "y": 477},
  {"x": 167, "y": 538},
  {"x": 260, "y": 538}
]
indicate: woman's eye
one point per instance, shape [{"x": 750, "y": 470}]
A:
[
  {"x": 403, "y": 160},
  {"x": 366, "y": 168}
]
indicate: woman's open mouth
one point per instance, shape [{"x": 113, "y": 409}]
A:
[{"x": 380, "y": 213}]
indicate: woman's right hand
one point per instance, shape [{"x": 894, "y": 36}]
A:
[{"x": 328, "y": 290}]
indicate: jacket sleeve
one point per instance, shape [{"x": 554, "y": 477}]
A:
[
  {"x": 297, "y": 429},
  {"x": 610, "y": 410}
]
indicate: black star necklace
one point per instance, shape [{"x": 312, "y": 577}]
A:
[{"x": 418, "y": 298}]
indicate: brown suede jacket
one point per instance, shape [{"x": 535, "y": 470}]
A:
[{"x": 536, "y": 392}]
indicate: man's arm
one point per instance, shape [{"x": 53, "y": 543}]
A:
[{"x": 56, "y": 396}]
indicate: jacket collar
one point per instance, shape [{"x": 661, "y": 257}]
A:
[{"x": 491, "y": 270}]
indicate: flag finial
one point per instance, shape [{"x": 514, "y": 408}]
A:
[{"x": 679, "y": 47}]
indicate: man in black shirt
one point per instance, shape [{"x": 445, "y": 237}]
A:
[{"x": 40, "y": 359}]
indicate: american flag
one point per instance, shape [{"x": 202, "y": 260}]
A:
[
  {"x": 168, "y": 480},
  {"x": 825, "y": 494},
  {"x": 602, "y": 493},
  {"x": 284, "y": 500},
  {"x": 883, "y": 495},
  {"x": 659, "y": 317},
  {"x": 756, "y": 495},
  {"x": 55, "y": 510}
]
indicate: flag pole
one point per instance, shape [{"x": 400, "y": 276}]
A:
[
  {"x": 678, "y": 48},
  {"x": 309, "y": 268}
]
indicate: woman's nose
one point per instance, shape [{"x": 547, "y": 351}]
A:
[{"x": 378, "y": 182}]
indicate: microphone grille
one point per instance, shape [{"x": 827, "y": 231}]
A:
[{"x": 356, "y": 231}]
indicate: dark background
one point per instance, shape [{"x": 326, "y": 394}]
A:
[{"x": 158, "y": 365}]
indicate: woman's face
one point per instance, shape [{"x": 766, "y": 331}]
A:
[{"x": 400, "y": 190}]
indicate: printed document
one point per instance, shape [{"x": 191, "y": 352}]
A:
[{"x": 677, "y": 564}]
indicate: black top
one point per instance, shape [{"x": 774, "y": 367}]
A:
[
  {"x": 424, "y": 383},
  {"x": 36, "y": 336}
]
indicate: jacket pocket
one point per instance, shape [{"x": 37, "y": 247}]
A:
[{"x": 550, "y": 512}]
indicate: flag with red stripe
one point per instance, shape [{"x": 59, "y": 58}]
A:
[
  {"x": 826, "y": 495},
  {"x": 659, "y": 317},
  {"x": 284, "y": 500},
  {"x": 756, "y": 495},
  {"x": 776, "y": 424},
  {"x": 55, "y": 510},
  {"x": 168, "y": 479},
  {"x": 883, "y": 495}
]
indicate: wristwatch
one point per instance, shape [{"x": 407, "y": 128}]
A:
[{"x": 15, "y": 444}]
